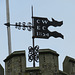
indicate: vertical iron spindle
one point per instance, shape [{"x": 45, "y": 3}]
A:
[{"x": 33, "y": 39}]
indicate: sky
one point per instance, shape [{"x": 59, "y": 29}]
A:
[{"x": 20, "y": 11}]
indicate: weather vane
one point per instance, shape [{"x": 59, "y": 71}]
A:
[{"x": 39, "y": 27}]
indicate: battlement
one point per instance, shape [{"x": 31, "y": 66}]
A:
[
  {"x": 69, "y": 65},
  {"x": 15, "y": 64}
]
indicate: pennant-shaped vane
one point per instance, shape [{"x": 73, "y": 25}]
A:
[{"x": 41, "y": 28}]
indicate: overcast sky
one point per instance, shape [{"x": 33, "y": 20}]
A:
[{"x": 20, "y": 11}]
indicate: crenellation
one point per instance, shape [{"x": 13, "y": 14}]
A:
[
  {"x": 69, "y": 65},
  {"x": 15, "y": 64}
]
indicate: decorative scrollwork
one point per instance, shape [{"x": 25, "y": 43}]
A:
[
  {"x": 29, "y": 26},
  {"x": 19, "y": 25},
  {"x": 24, "y": 26},
  {"x": 33, "y": 53}
]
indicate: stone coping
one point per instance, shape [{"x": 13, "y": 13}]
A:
[
  {"x": 61, "y": 72},
  {"x": 15, "y": 53},
  {"x": 48, "y": 51},
  {"x": 37, "y": 69},
  {"x": 70, "y": 59},
  {"x": 32, "y": 69}
]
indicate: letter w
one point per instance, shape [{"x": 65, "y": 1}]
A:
[{"x": 44, "y": 21}]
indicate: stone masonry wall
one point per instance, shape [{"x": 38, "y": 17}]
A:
[
  {"x": 48, "y": 62},
  {"x": 15, "y": 63}
]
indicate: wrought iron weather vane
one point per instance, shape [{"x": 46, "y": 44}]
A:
[
  {"x": 39, "y": 28},
  {"x": 33, "y": 51}
]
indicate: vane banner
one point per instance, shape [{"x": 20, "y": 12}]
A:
[{"x": 41, "y": 28}]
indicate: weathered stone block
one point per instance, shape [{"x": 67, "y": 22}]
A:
[
  {"x": 48, "y": 61},
  {"x": 32, "y": 71},
  {"x": 15, "y": 63}
]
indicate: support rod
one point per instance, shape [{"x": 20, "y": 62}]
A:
[
  {"x": 33, "y": 39},
  {"x": 8, "y": 27}
]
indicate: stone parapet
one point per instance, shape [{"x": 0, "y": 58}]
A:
[
  {"x": 69, "y": 65},
  {"x": 15, "y": 63},
  {"x": 48, "y": 61}
]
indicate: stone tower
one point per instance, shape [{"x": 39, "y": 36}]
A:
[
  {"x": 48, "y": 62},
  {"x": 15, "y": 63},
  {"x": 69, "y": 65}
]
